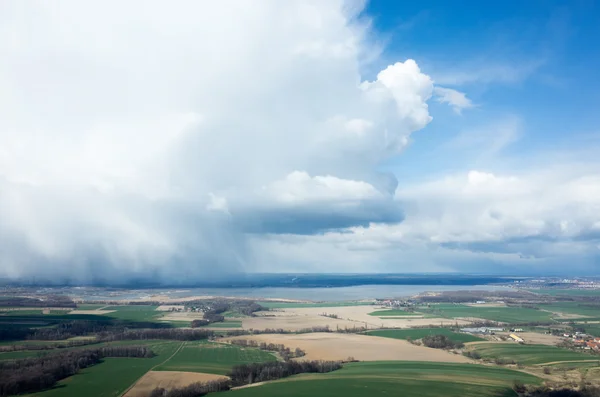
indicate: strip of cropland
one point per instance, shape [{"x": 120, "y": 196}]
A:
[
  {"x": 212, "y": 358},
  {"x": 224, "y": 324},
  {"x": 528, "y": 354},
  {"x": 111, "y": 377},
  {"x": 15, "y": 355},
  {"x": 298, "y": 305},
  {"x": 134, "y": 312},
  {"x": 384, "y": 378},
  {"x": 395, "y": 312},
  {"x": 419, "y": 333},
  {"x": 567, "y": 292},
  {"x": 577, "y": 308},
  {"x": 515, "y": 315}
]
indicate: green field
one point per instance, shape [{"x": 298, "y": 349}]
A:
[
  {"x": 34, "y": 353},
  {"x": 502, "y": 314},
  {"x": 394, "y": 378},
  {"x": 111, "y": 377},
  {"x": 17, "y": 319},
  {"x": 571, "y": 292},
  {"x": 297, "y": 305},
  {"x": 134, "y": 312},
  {"x": 224, "y": 324},
  {"x": 233, "y": 314},
  {"x": 418, "y": 333},
  {"x": 572, "y": 308},
  {"x": 34, "y": 311},
  {"x": 528, "y": 354},
  {"x": 213, "y": 358},
  {"x": 592, "y": 329},
  {"x": 395, "y": 312},
  {"x": 89, "y": 306}
]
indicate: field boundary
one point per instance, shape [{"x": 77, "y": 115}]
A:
[{"x": 152, "y": 369}]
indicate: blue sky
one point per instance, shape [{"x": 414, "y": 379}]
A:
[
  {"x": 533, "y": 61},
  {"x": 210, "y": 138}
]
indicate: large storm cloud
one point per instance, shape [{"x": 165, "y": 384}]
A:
[{"x": 154, "y": 140}]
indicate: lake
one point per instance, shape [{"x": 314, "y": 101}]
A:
[{"x": 316, "y": 294}]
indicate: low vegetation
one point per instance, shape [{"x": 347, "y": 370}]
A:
[
  {"x": 419, "y": 333},
  {"x": 48, "y": 301},
  {"x": 441, "y": 342},
  {"x": 197, "y": 389},
  {"x": 261, "y": 372},
  {"x": 513, "y": 353},
  {"x": 385, "y": 378},
  {"x": 285, "y": 352},
  {"x": 513, "y": 315},
  {"x": 212, "y": 358},
  {"x": 34, "y": 374}
]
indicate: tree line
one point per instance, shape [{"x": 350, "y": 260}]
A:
[
  {"x": 326, "y": 328},
  {"x": 165, "y": 333},
  {"x": 441, "y": 342},
  {"x": 48, "y": 301},
  {"x": 285, "y": 352},
  {"x": 197, "y": 389},
  {"x": 246, "y": 374},
  {"x": 544, "y": 391},
  {"x": 30, "y": 375}
]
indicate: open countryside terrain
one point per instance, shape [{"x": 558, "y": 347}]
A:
[
  {"x": 573, "y": 308},
  {"x": 396, "y": 313},
  {"x": 347, "y": 317},
  {"x": 414, "y": 379},
  {"x": 528, "y": 354},
  {"x": 212, "y": 358},
  {"x": 167, "y": 380},
  {"x": 515, "y": 315},
  {"x": 111, "y": 377},
  {"x": 334, "y": 346},
  {"x": 419, "y": 333},
  {"x": 179, "y": 363}
]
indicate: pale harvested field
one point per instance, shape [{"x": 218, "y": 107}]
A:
[
  {"x": 541, "y": 339},
  {"x": 97, "y": 312},
  {"x": 357, "y": 316},
  {"x": 334, "y": 346},
  {"x": 182, "y": 316},
  {"x": 167, "y": 380},
  {"x": 490, "y": 304},
  {"x": 296, "y": 322}
]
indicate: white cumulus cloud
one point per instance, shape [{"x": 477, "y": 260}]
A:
[
  {"x": 456, "y": 99},
  {"x": 135, "y": 140}
]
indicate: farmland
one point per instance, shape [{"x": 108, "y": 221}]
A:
[
  {"x": 528, "y": 354},
  {"x": 567, "y": 292},
  {"x": 111, "y": 377},
  {"x": 89, "y": 306},
  {"x": 224, "y": 324},
  {"x": 367, "y": 333},
  {"x": 587, "y": 310},
  {"x": 134, "y": 312},
  {"x": 418, "y": 333},
  {"x": 592, "y": 329},
  {"x": 335, "y": 346},
  {"x": 212, "y": 358},
  {"x": 394, "y": 312},
  {"x": 382, "y": 378},
  {"x": 298, "y": 305},
  {"x": 502, "y": 314}
]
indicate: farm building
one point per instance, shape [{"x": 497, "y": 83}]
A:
[
  {"x": 481, "y": 330},
  {"x": 516, "y": 338}
]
